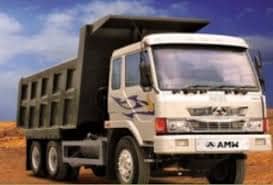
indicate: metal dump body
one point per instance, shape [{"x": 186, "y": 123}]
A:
[
  {"x": 46, "y": 94},
  {"x": 65, "y": 96}
]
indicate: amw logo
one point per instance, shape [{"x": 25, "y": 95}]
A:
[{"x": 223, "y": 144}]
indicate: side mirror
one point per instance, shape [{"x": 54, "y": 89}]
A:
[
  {"x": 145, "y": 76},
  {"x": 258, "y": 66},
  {"x": 258, "y": 62}
]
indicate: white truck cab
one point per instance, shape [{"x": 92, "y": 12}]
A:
[{"x": 194, "y": 94}]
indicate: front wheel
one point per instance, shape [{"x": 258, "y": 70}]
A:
[
  {"x": 130, "y": 167},
  {"x": 230, "y": 171}
]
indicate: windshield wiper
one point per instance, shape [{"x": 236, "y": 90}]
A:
[
  {"x": 197, "y": 87},
  {"x": 236, "y": 87},
  {"x": 191, "y": 88}
]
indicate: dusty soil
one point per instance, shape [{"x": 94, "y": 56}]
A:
[{"x": 12, "y": 164}]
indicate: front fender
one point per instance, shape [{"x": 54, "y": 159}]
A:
[{"x": 125, "y": 124}]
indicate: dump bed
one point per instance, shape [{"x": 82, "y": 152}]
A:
[{"x": 66, "y": 96}]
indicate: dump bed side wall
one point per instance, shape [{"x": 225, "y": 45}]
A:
[{"x": 48, "y": 99}]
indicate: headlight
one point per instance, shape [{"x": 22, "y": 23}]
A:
[
  {"x": 254, "y": 125},
  {"x": 174, "y": 126}
]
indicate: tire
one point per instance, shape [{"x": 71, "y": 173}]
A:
[
  {"x": 55, "y": 167},
  {"x": 127, "y": 148},
  {"x": 36, "y": 156},
  {"x": 230, "y": 171},
  {"x": 73, "y": 174},
  {"x": 99, "y": 171}
]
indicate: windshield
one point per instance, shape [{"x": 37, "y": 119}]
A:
[{"x": 179, "y": 67}]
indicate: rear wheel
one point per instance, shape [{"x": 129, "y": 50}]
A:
[
  {"x": 130, "y": 167},
  {"x": 55, "y": 166},
  {"x": 73, "y": 173},
  {"x": 99, "y": 171},
  {"x": 230, "y": 171},
  {"x": 36, "y": 159}
]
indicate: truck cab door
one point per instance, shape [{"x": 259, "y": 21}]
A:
[{"x": 140, "y": 104}]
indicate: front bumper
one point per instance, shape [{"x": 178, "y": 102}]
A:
[{"x": 211, "y": 144}]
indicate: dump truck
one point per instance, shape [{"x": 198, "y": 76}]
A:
[{"x": 146, "y": 97}]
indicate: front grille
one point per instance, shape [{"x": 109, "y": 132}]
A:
[{"x": 232, "y": 126}]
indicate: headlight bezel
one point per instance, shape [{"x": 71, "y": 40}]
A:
[
  {"x": 178, "y": 126},
  {"x": 254, "y": 125}
]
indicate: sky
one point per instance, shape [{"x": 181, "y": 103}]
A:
[{"x": 36, "y": 34}]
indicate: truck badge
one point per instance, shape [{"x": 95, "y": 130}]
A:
[
  {"x": 219, "y": 111},
  {"x": 223, "y": 144}
]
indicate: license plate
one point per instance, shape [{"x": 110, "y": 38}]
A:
[{"x": 211, "y": 145}]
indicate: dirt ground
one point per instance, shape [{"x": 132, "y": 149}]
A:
[{"x": 12, "y": 164}]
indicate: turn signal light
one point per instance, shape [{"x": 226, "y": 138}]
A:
[
  {"x": 160, "y": 125},
  {"x": 266, "y": 125}
]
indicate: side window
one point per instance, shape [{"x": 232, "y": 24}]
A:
[
  {"x": 116, "y": 67},
  {"x": 132, "y": 73}
]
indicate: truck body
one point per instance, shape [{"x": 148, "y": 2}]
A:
[{"x": 145, "y": 94}]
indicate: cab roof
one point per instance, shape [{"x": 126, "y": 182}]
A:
[
  {"x": 183, "y": 38},
  {"x": 195, "y": 38}
]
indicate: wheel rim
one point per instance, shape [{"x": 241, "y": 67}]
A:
[
  {"x": 52, "y": 160},
  {"x": 35, "y": 158},
  {"x": 125, "y": 165}
]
